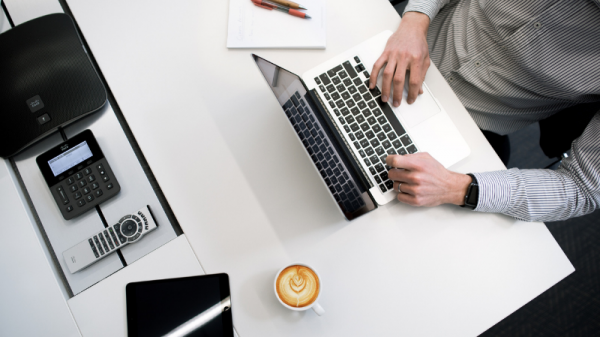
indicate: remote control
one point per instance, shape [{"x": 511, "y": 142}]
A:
[{"x": 130, "y": 228}]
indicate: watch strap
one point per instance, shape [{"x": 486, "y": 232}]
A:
[{"x": 472, "y": 196}]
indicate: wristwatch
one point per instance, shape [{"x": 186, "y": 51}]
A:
[{"x": 472, "y": 196}]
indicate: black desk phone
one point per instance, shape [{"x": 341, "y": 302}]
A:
[{"x": 78, "y": 175}]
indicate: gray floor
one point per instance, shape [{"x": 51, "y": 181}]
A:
[{"x": 571, "y": 307}]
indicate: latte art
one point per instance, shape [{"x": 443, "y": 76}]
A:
[{"x": 298, "y": 286}]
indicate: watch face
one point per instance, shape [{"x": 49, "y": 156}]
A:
[{"x": 472, "y": 196}]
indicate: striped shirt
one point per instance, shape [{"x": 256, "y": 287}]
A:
[{"x": 513, "y": 63}]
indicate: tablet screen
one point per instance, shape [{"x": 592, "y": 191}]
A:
[{"x": 190, "y": 306}]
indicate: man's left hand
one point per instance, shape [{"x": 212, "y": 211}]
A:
[{"x": 425, "y": 182}]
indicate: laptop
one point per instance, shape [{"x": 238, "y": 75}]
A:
[{"x": 348, "y": 131}]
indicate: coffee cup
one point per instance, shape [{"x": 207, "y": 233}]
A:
[{"x": 298, "y": 287}]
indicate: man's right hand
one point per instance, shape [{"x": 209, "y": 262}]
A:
[{"x": 406, "y": 50}]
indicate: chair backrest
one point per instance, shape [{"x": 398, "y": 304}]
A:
[{"x": 558, "y": 131}]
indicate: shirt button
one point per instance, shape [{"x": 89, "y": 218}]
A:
[
  {"x": 450, "y": 79},
  {"x": 477, "y": 64},
  {"x": 537, "y": 25}
]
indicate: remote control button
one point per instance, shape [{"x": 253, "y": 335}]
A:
[
  {"x": 82, "y": 183},
  {"x": 93, "y": 248},
  {"x": 87, "y": 171},
  {"x": 73, "y": 188},
  {"x": 95, "y": 186},
  {"x": 89, "y": 198},
  {"x": 91, "y": 178},
  {"x": 98, "y": 245},
  {"x": 81, "y": 203},
  {"x": 103, "y": 242},
  {"x": 105, "y": 178},
  {"x": 86, "y": 190},
  {"x": 89, "y": 162},
  {"x": 109, "y": 186},
  {"x": 100, "y": 167},
  {"x": 78, "y": 195},
  {"x": 69, "y": 208},
  {"x": 125, "y": 218},
  {"x": 70, "y": 180},
  {"x": 79, "y": 175},
  {"x": 113, "y": 236},
  {"x": 98, "y": 193},
  {"x": 129, "y": 227},
  {"x": 109, "y": 240},
  {"x": 131, "y": 239}
]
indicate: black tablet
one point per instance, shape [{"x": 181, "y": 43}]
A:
[{"x": 189, "y": 306}]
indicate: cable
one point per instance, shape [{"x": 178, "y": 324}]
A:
[{"x": 12, "y": 24}]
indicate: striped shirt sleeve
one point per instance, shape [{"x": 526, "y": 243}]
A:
[
  {"x": 428, "y": 7},
  {"x": 546, "y": 195}
]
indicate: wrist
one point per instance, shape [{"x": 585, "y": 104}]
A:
[
  {"x": 460, "y": 185},
  {"x": 416, "y": 21}
]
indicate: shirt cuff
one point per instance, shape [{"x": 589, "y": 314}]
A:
[
  {"x": 427, "y": 7},
  {"x": 494, "y": 191}
]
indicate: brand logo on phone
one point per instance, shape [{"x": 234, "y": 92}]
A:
[{"x": 73, "y": 259}]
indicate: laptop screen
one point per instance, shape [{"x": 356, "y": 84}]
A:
[{"x": 318, "y": 139}]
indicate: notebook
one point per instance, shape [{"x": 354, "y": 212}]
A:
[{"x": 254, "y": 27}]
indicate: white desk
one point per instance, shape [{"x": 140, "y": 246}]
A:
[
  {"x": 215, "y": 139},
  {"x": 250, "y": 202}
]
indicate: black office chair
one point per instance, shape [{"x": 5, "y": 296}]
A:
[{"x": 558, "y": 131}]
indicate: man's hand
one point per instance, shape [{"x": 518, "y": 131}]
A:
[
  {"x": 406, "y": 50},
  {"x": 425, "y": 182}
]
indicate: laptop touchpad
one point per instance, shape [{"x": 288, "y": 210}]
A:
[{"x": 421, "y": 110}]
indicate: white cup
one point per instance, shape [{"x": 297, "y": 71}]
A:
[{"x": 314, "y": 305}]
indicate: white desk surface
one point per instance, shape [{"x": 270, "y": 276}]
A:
[{"x": 249, "y": 201}]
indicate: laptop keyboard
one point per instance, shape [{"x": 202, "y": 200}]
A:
[
  {"x": 326, "y": 159},
  {"x": 370, "y": 124}
]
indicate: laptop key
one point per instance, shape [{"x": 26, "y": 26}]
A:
[
  {"x": 325, "y": 79},
  {"x": 386, "y": 144},
  {"x": 402, "y": 151},
  {"x": 345, "y": 111},
  {"x": 350, "y": 103},
  {"x": 389, "y": 184},
  {"x": 366, "y": 112},
  {"x": 372, "y": 170},
  {"x": 374, "y": 142},
  {"x": 342, "y": 120},
  {"x": 381, "y": 120},
  {"x": 336, "y": 111},
  {"x": 392, "y": 135},
  {"x": 343, "y": 74},
  {"x": 362, "y": 104},
  {"x": 317, "y": 80},
  {"x": 383, "y": 188},
  {"x": 364, "y": 127},
  {"x": 370, "y": 135},
  {"x": 380, "y": 151},
  {"x": 359, "y": 135},
  {"x": 378, "y": 180},
  {"x": 379, "y": 168},
  {"x": 348, "y": 67},
  {"x": 336, "y": 80},
  {"x": 372, "y": 104},
  {"x": 352, "y": 90},
  {"x": 327, "y": 96},
  {"x": 366, "y": 73},
  {"x": 362, "y": 153},
  {"x": 340, "y": 104},
  {"x": 347, "y": 81},
  {"x": 376, "y": 112},
  {"x": 354, "y": 127},
  {"x": 335, "y": 96},
  {"x": 412, "y": 149},
  {"x": 357, "y": 97},
  {"x": 347, "y": 128},
  {"x": 322, "y": 87},
  {"x": 362, "y": 89},
  {"x": 387, "y": 128},
  {"x": 381, "y": 136},
  {"x": 357, "y": 145},
  {"x": 367, "y": 97},
  {"x": 375, "y": 92},
  {"x": 369, "y": 151},
  {"x": 391, "y": 151},
  {"x": 406, "y": 140},
  {"x": 364, "y": 143},
  {"x": 330, "y": 88},
  {"x": 360, "y": 119},
  {"x": 345, "y": 96},
  {"x": 357, "y": 81},
  {"x": 355, "y": 111},
  {"x": 350, "y": 119},
  {"x": 352, "y": 138},
  {"x": 340, "y": 88}
]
